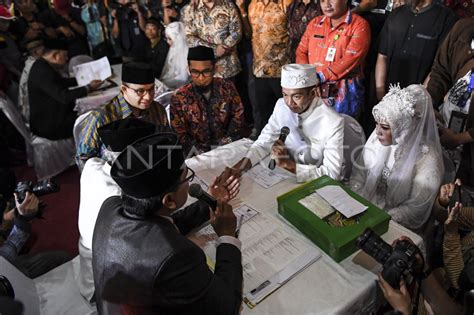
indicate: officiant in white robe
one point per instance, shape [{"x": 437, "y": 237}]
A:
[{"x": 314, "y": 146}]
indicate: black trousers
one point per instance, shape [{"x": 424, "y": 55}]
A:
[{"x": 267, "y": 92}]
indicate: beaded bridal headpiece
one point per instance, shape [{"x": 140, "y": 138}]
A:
[{"x": 399, "y": 109}]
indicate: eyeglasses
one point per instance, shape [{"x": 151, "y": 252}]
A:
[
  {"x": 142, "y": 92},
  {"x": 190, "y": 177},
  {"x": 205, "y": 73}
]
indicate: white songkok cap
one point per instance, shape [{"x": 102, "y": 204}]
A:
[{"x": 297, "y": 76}]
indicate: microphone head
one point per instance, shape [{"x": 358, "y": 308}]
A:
[
  {"x": 285, "y": 131},
  {"x": 195, "y": 190}
]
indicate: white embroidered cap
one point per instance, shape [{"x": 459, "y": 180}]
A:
[{"x": 297, "y": 76}]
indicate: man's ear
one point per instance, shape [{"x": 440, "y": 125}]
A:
[
  {"x": 317, "y": 90},
  {"x": 55, "y": 55},
  {"x": 123, "y": 88},
  {"x": 169, "y": 201}
]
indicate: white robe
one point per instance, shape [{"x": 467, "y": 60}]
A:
[
  {"x": 96, "y": 187},
  {"x": 315, "y": 141}
]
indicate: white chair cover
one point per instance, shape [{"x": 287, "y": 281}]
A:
[
  {"x": 55, "y": 292},
  {"x": 165, "y": 100},
  {"x": 354, "y": 140},
  {"x": 49, "y": 157},
  {"x": 79, "y": 126}
]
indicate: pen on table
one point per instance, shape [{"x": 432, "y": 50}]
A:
[{"x": 239, "y": 225}]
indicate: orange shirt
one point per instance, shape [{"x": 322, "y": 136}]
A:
[
  {"x": 351, "y": 39},
  {"x": 270, "y": 40}
]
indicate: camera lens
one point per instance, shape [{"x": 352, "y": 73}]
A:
[
  {"x": 375, "y": 246},
  {"x": 6, "y": 288}
]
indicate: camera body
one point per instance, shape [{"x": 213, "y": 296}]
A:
[
  {"x": 396, "y": 261},
  {"x": 41, "y": 188}
]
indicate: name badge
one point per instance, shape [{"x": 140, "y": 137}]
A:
[
  {"x": 136, "y": 30},
  {"x": 331, "y": 54}
]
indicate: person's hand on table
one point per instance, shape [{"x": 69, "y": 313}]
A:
[
  {"x": 281, "y": 155},
  {"x": 400, "y": 300},
  {"x": 223, "y": 219},
  {"x": 94, "y": 84},
  {"x": 234, "y": 173},
  {"x": 226, "y": 186}
]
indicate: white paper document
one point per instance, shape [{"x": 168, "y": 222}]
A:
[
  {"x": 317, "y": 205},
  {"x": 265, "y": 177},
  {"x": 270, "y": 255},
  {"x": 341, "y": 200},
  {"x": 94, "y": 70}
]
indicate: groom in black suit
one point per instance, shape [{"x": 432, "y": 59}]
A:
[{"x": 142, "y": 262}]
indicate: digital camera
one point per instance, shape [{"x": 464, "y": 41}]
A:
[
  {"x": 396, "y": 261},
  {"x": 41, "y": 188}
]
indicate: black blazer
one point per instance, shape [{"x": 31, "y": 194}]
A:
[
  {"x": 146, "y": 266},
  {"x": 52, "y": 102}
]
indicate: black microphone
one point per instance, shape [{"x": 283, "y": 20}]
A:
[
  {"x": 196, "y": 191},
  {"x": 284, "y": 132}
]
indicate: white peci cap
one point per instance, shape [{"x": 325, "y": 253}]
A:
[{"x": 297, "y": 76}]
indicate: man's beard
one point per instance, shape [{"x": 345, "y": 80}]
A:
[{"x": 203, "y": 89}]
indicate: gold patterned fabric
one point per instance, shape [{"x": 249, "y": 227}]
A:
[
  {"x": 270, "y": 40},
  {"x": 219, "y": 25}
]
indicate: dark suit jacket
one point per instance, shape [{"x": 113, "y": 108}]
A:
[
  {"x": 145, "y": 265},
  {"x": 51, "y": 102}
]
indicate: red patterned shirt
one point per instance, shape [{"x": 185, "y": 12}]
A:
[{"x": 205, "y": 123}]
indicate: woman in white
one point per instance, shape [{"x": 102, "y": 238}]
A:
[
  {"x": 400, "y": 168},
  {"x": 175, "y": 72}
]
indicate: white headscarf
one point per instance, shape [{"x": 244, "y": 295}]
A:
[
  {"x": 175, "y": 71},
  {"x": 410, "y": 115}
]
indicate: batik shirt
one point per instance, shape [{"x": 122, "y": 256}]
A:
[
  {"x": 212, "y": 27},
  {"x": 270, "y": 41},
  {"x": 89, "y": 143},
  {"x": 202, "y": 123},
  {"x": 351, "y": 40},
  {"x": 299, "y": 15}
]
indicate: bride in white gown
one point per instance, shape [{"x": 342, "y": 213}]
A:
[
  {"x": 175, "y": 71},
  {"x": 400, "y": 168}
]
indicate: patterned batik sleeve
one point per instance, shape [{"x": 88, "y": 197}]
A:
[
  {"x": 179, "y": 120},
  {"x": 235, "y": 27},
  {"x": 88, "y": 144},
  {"x": 236, "y": 122}
]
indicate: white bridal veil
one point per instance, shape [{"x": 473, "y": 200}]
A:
[
  {"x": 415, "y": 137},
  {"x": 175, "y": 71}
]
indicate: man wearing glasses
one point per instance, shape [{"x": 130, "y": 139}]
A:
[
  {"x": 208, "y": 111},
  {"x": 135, "y": 100},
  {"x": 143, "y": 263}
]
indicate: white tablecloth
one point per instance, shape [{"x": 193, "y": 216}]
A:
[{"x": 326, "y": 287}]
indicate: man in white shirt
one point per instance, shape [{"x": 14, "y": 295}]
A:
[
  {"x": 97, "y": 186},
  {"x": 314, "y": 146}
]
